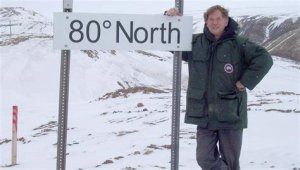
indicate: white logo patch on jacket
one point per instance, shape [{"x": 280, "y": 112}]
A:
[{"x": 228, "y": 68}]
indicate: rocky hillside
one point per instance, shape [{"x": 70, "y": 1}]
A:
[
  {"x": 18, "y": 24},
  {"x": 279, "y": 34}
]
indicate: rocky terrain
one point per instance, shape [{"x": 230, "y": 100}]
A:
[{"x": 279, "y": 34}]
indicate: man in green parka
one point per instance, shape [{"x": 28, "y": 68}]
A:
[{"x": 222, "y": 65}]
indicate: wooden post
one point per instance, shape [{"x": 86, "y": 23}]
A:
[
  {"x": 14, "y": 136},
  {"x": 10, "y": 28}
]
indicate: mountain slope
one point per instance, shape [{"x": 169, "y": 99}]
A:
[
  {"x": 18, "y": 24},
  {"x": 279, "y": 34}
]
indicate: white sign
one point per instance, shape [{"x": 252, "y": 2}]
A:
[{"x": 122, "y": 32}]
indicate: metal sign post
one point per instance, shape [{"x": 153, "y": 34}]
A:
[
  {"x": 176, "y": 101},
  {"x": 80, "y": 31},
  {"x": 63, "y": 100}
]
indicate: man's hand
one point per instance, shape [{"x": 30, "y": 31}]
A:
[
  {"x": 240, "y": 86},
  {"x": 173, "y": 12}
]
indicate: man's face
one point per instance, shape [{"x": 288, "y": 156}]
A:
[{"x": 216, "y": 23}]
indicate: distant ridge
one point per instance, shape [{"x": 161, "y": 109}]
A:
[{"x": 280, "y": 34}]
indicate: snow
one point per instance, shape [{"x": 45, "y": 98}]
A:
[{"x": 117, "y": 129}]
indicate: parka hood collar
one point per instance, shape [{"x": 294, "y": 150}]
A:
[{"x": 230, "y": 31}]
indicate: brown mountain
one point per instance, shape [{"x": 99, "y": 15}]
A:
[{"x": 279, "y": 34}]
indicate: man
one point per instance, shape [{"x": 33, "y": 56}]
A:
[{"x": 221, "y": 66}]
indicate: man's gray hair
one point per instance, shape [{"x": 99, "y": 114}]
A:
[{"x": 224, "y": 11}]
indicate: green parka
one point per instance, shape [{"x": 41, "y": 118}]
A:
[{"x": 213, "y": 100}]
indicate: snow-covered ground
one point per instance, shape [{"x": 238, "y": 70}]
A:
[
  {"x": 131, "y": 132},
  {"x": 116, "y": 128}
]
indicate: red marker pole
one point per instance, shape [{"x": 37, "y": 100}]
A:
[{"x": 14, "y": 136}]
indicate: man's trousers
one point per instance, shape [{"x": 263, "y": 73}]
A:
[{"x": 219, "y": 149}]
